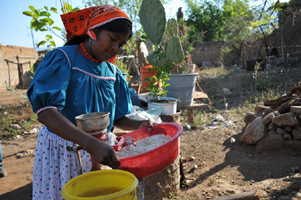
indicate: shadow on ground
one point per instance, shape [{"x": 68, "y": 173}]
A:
[{"x": 22, "y": 193}]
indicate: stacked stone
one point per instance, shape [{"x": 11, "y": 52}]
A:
[{"x": 270, "y": 130}]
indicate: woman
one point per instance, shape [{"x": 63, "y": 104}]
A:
[{"x": 74, "y": 80}]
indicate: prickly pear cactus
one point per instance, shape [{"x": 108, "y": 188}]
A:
[
  {"x": 172, "y": 27},
  {"x": 174, "y": 50},
  {"x": 154, "y": 60},
  {"x": 152, "y": 19}
]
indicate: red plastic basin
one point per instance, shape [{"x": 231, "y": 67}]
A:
[{"x": 155, "y": 160}]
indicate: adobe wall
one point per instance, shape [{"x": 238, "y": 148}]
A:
[{"x": 9, "y": 68}]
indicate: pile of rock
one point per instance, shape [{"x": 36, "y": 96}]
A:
[{"x": 275, "y": 125}]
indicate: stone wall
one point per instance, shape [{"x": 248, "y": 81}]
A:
[
  {"x": 8, "y": 65},
  {"x": 206, "y": 52},
  {"x": 292, "y": 26}
]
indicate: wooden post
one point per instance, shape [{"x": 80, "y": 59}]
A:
[
  {"x": 8, "y": 72},
  {"x": 190, "y": 117},
  {"x": 20, "y": 72},
  {"x": 193, "y": 107}
]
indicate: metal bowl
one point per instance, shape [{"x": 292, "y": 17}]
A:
[{"x": 93, "y": 123}]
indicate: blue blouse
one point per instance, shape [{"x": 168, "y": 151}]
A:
[{"x": 75, "y": 85}]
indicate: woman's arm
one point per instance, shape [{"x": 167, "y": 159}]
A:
[
  {"x": 61, "y": 126},
  {"x": 126, "y": 123}
]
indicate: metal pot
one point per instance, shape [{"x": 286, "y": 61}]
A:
[{"x": 93, "y": 123}]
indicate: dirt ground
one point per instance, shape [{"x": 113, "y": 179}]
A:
[{"x": 214, "y": 167}]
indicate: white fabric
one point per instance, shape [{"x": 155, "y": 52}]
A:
[
  {"x": 54, "y": 166},
  {"x": 140, "y": 114}
]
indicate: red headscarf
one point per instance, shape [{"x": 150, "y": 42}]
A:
[{"x": 79, "y": 23}]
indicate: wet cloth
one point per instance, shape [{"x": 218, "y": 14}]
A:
[
  {"x": 54, "y": 166},
  {"x": 73, "y": 85}
]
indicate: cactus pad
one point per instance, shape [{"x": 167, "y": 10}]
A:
[
  {"x": 172, "y": 27},
  {"x": 152, "y": 19},
  {"x": 174, "y": 50}
]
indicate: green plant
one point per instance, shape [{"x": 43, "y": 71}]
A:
[
  {"x": 168, "y": 49},
  {"x": 9, "y": 116},
  {"x": 227, "y": 57},
  {"x": 42, "y": 21}
]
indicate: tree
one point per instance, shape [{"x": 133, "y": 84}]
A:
[
  {"x": 266, "y": 20},
  {"x": 41, "y": 21},
  {"x": 204, "y": 17},
  {"x": 237, "y": 18}
]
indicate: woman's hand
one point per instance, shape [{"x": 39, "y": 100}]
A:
[
  {"x": 58, "y": 124},
  {"x": 126, "y": 123},
  {"x": 103, "y": 153},
  {"x": 146, "y": 123}
]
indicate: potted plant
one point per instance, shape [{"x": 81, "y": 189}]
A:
[
  {"x": 168, "y": 57},
  {"x": 167, "y": 50}
]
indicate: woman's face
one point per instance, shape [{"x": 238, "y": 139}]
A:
[{"x": 108, "y": 44}]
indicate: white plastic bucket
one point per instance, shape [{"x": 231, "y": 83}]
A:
[{"x": 167, "y": 107}]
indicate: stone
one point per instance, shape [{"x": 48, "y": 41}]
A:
[
  {"x": 15, "y": 126},
  {"x": 280, "y": 131},
  {"x": 271, "y": 132},
  {"x": 260, "y": 109},
  {"x": 272, "y": 126},
  {"x": 296, "y": 134},
  {"x": 249, "y": 117},
  {"x": 270, "y": 142},
  {"x": 296, "y": 109},
  {"x": 287, "y": 119},
  {"x": 287, "y": 136},
  {"x": 26, "y": 153},
  {"x": 288, "y": 129},
  {"x": 293, "y": 144},
  {"x": 254, "y": 131},
  {"x": 268, "y": 111},
  {"x": 268, "y": 118}
]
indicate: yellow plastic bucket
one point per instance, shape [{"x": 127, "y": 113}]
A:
[{"x": 102, "y": 184}]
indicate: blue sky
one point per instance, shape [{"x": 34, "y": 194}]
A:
[{"x": 15, "y": 27}]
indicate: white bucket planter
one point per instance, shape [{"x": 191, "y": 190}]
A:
[
  {"x": 182, "y": 87},
  {"x": 168, "y": 105}
]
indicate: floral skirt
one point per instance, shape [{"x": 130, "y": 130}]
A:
[{"x": 54, "y": 166}]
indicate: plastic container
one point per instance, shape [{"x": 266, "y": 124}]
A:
[
  {"x": 155, "y": 160},
  {"x": 168, "y": 108},
  {"x": 99, "y": 181}
]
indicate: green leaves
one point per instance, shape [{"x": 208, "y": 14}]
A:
[
  {"x": 68, "y": 8},
  {"x": 28, "y": 13},
  {"x": 42, "y": 21}
]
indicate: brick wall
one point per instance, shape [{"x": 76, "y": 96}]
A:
[
  {"x": 9, "y": 69},
  {"x": 206, "y": 51}
]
